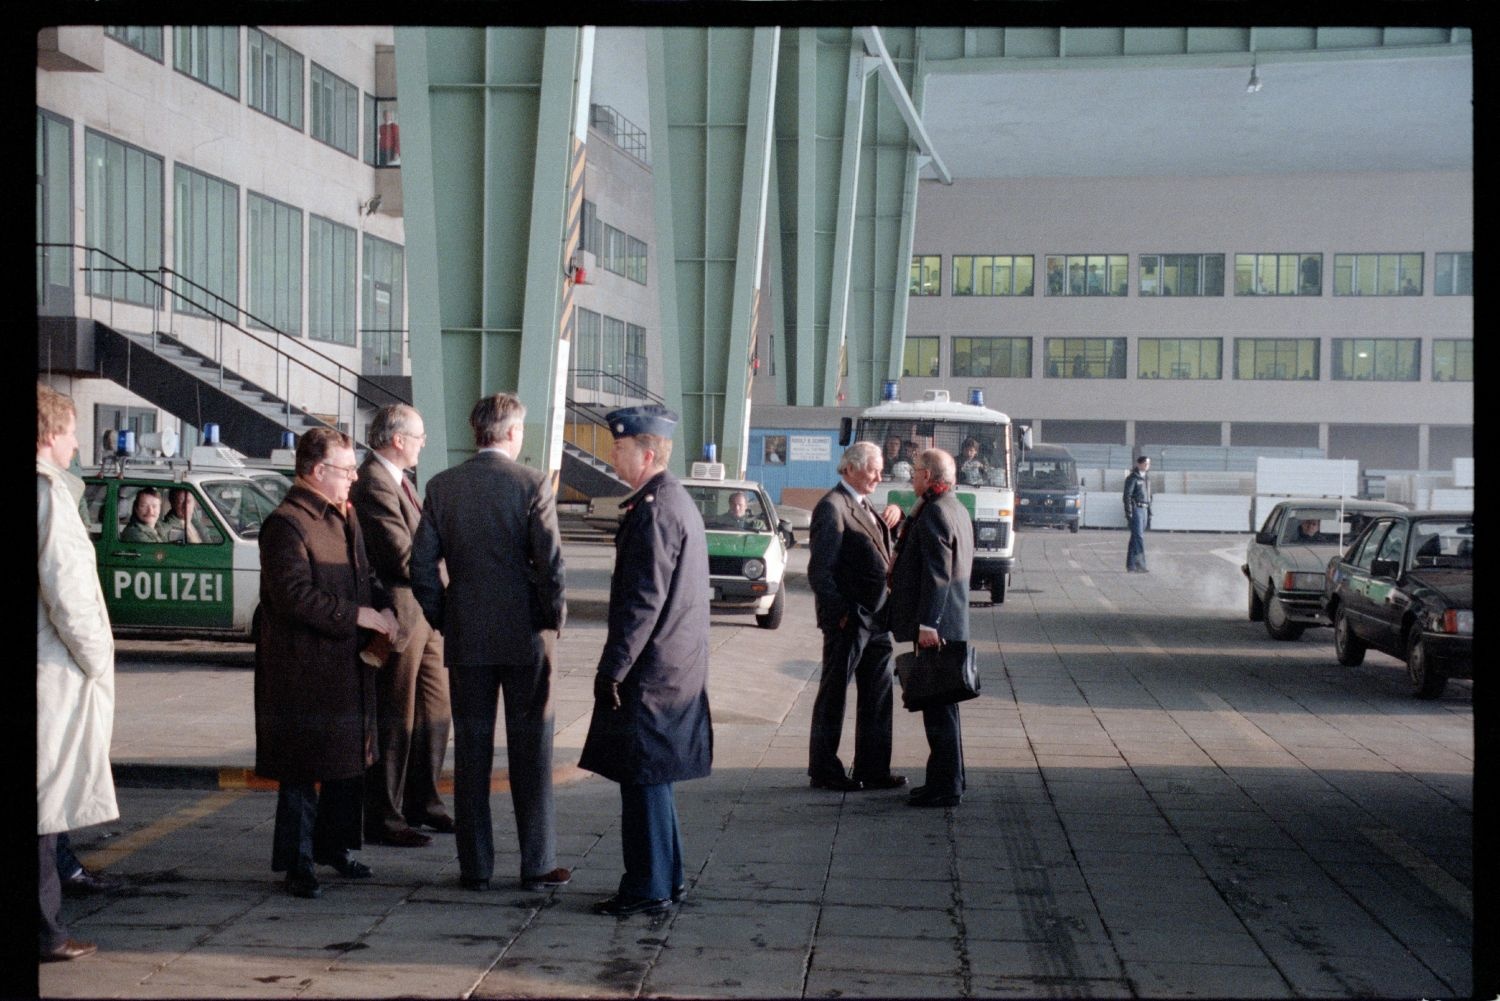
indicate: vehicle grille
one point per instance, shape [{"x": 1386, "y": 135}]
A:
[{"x": 726, "y": 566}]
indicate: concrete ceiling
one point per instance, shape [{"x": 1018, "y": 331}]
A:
[{"x": 1103, "y": 118}]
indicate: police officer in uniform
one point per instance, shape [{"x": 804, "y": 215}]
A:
[
  {"x": 651, "y": 725},
  {"x": 1137, "y": 498}
]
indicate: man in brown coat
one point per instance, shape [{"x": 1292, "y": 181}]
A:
[
  {"x": 411, "y": 688},
  {"x": 314, "y": 698}
]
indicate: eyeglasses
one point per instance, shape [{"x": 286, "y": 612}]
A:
[
  {"x": 350, "y": 472},
  {"x": 414, "y": 437}
]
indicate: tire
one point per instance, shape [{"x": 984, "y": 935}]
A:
[
  {"x": 1278, "y": 623},
  {"x": 1073, "y": 527},
  {"x": 997, "y": 589},
  {"x": 1349, "y": 648},
  {"x": 772, "y": 619},
  {"x": 1426, "y": 682},
  {"x": 1257, "y": 607}
]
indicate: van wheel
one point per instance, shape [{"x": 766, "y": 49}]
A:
[
  {"x": 772, "y": 619},
  {"x": 1278, "y": 621},
  {"x": 997, "y": 589},
  {"x": 1257, "y": 607},
  {"x": 1349, "y": 647},
  {"x": 1073, "y": 527},
  {"x": 1426, "y": 683}
]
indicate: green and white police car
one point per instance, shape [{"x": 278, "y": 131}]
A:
[
  {"x": 177, "y": 543},
  {"x": 747, "y": 544}
]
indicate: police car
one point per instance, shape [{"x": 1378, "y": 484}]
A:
[
  {"x": 177, "y": 542},
  {"x": 747, "y": 543}
]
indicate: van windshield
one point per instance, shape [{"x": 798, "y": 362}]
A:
[
  {"x": 1047, "y": 474},
  {"x": 980, "y": 452}
]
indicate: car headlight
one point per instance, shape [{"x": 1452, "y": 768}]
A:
[
  {"x": 1458, "y": 621},
  {"x": 1024, "y": 501},
  {"x": 988, "y": 533},
  {"x": 1071, "y": 502},
  {"x": 755, "y": 569},
  {"x": 1301, "y": 581}
]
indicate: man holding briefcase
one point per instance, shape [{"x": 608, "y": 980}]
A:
[{"x": 929, "y": 603}]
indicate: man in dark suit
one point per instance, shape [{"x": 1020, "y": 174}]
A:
[
  {"x": 411, "y": 688},
  {"x": 494, "y": 521},
  {"x": 847, "y": 568},
  {"x": 930, "y": 604},
  {"x": 651, "y": 725}
]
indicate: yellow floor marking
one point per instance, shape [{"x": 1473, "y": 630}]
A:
[{"x": 129, "y": 844}]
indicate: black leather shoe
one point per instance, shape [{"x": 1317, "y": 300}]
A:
[
  {"x": 935, "y": 801},
  {"x": 621, "y": 907},
  {"x": 473, "y": 884},
  {"x": 84, "y": 883},
  {"x": 347, "y": 867},
  {"x": 443, "y": 824},
  {"x": 303, "y": 885},
  {"x": 71, "y": 949},
  {"x": 838, "y": 783},
  {"x": 404, "y": 838},
  {"x": 887, "y": 782}
]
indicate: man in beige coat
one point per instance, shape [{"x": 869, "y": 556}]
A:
[{"x": 75, "y": 670}]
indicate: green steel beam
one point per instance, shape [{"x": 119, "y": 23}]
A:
[
  {"x": 490, "y": 113},
  {"x": 857, "y": 86},
  {"x": 896, "y": 344}
]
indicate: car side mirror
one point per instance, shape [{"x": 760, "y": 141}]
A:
[
  {"x": 1384, "y": 568},
  {"x": 1265, "y": 538},
  {"x": 784, "y": 529}
]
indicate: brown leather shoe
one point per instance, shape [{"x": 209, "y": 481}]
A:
[
  {"x": 887, "y": 782},
  {"x": 443, "y": 824},
  {"x": 71, "y": 949},
  {"x": 546, "y": 881},
  {"x": 404, "y": 838}
]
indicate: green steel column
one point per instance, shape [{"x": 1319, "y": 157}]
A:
[
  {"x": 713, "y": 129},
  {"x": 486, "y": 175},
  {"x": 896, "y": 345},
  {"x": 860, "y": 68}
]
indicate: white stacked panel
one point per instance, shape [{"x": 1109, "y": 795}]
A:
[
  {"x": 1307, "y": 477},
  {"x": 1200, "y": 513},
  {"x": 1463, "y": 473},
  {"x": 1209, "y": 481},
  {"x": 1451, "y": 499},
  {"x": 1102, "y": 509}
]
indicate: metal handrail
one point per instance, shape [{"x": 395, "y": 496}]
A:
[{"x": 631, "y": 388}]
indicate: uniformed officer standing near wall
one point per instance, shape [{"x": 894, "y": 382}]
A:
[
  {"x": 1137, "y": 509},
  {"x": 651, "y": 725}
]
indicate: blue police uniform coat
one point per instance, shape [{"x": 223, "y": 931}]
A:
[{"x": 657, "y": 646}]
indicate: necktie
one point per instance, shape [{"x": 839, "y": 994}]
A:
[{"x": 411, "y": 494}]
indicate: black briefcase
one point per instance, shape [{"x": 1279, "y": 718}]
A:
[{"x": 938, "y": 676}]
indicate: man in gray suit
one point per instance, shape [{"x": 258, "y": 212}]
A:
[
  {"x": 411, "y": 688},
  {"x": 495, "y": 523}
]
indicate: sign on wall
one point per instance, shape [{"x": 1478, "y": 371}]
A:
[{"x": 810, "y": 448}]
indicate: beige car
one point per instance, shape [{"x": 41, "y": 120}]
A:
[{"x": 1286, "y": 560}]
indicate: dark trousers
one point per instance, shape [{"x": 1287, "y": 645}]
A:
[
  {"x": 51, "y": 932},
  {"x": 1135, "y": 555},
  {"x": 945, "y": 759},
  {"x": 414, "y": 718},
  {"x": 316, "y": 824},
  {"x": 475, "y": 691},
  {"x": 67, "y": 862},
  {"x": 651, "y": 841},
  {"x": 862, "y": 653}
]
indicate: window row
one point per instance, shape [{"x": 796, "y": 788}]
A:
[
  {"x": 1391, "y": 359},
  {"x": 616, "y": 250},
  {"x": 1192, "y": 274},
  {"x": 275, "y": 78},
  {"x": 609, "y": 355},
  {"x": 123, "y": 217}
]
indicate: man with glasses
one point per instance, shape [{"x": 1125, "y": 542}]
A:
[
  {"x": 320, "y": 603},
  {"x": 411, "y": 688}
]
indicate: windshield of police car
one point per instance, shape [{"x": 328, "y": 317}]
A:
[
  {"x": 728, "y": 508},
  {"x": 241, "y": 503},
  {"x": 980, "y": 451}
]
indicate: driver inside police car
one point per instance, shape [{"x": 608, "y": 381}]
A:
[{"x": 144, "y": 513}]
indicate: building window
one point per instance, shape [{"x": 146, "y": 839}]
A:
[
  {"x": 146, "y": 40},
  {"x": 274, "y": 78},
  {"x": 990, "y": 275},
  {"x": 1181, "y": 274},
  {"x": 273, "y": 273},
  {"x": 1087, "y": 274},
  {"x": 1453, "y": 360},
  {"x": 1385, "y": 359},
  {"x": 635, "y": 358},
  {"x": 384, "y": 117},
  {"x": 330, "y": 281},
  {"x": 927, "y": 275},
  {"x": 1179, "y": 358},
  {"x": 1377, "y": 274},
  {"x": 612, "y": 352},
  {"x": 123, "y": 217},
  {"x": 210, "y": 55},
  {"x": 333, "y": 110},
  {"x": 1085, "y": 357},
  {"x": 919, "y": 358},
  {"x": 588, "y": 228},
  {"x": 992, "y": 357},
  {"x": 1453, "y": 274},
  {"x": 585, "y": 358},
  {"x": 613, "y": 258},
  {"x": 1278, "y": 274},
  {"x": 383, "y": 281},
  {"x": 206, "y": 239},
  {"x": 54, "y": 210},
  {"x": 1275, "y": 358},
  {"x": 635, "y": 259}
]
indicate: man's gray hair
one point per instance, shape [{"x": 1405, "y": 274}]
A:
[
  {"x": 388, "y": 422},
  {"x": 861, "y": 455},
  {"x": 492, "y": 417},
  {"x": 939, "y": 465}
]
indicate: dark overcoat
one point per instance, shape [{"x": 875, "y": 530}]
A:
[
  {"x": 657, "y": 646},
  {"x": 930, "y": 576},
  {"x": 849, "y": 558},
  {"x": 314, "y": 697}
]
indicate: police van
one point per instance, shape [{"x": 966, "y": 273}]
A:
[
  {"x": 979, "y": 440},
  {"x": 1050, "y": 491},
  {"x": 177, "y": 541},
  {"x": 747, "y": 543}
]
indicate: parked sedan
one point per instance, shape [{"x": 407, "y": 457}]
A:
[
  {"x": 1406, "y": 587},
  {"x": 1286, "y": 559}
]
